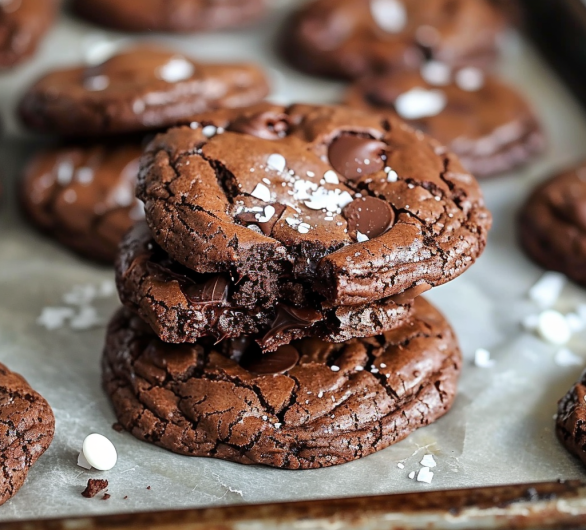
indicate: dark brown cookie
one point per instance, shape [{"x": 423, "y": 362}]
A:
[
  {"x": 355, "y": 206},
  {"x": 571, "y": 419},
  {"x": 27, "y": 426},
  {"x": 171, "y": 15},
  {"x": 182, "y": 306},
  {"x": 308, "y": 405},
  {"x": 488, "y": 124},
  {"x": 143, "y": 88},
  {"x": 84, "y": 196},
  {"x": 552, "y": 224},
  {"x": 22, "y": 25},
  {"x": 354, "y": 38}
]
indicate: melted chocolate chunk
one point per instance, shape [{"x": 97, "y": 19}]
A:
[
  {"x": 267, "y": 125},
  {"x": 277, "y": 362},
  {"x": 410, "y": 294},
  {"x": 369, "y": 216},
  {"x": 354, "y": 156},
  {"x": 289, "y": 318},
  {"x": 212, "y": 292},
  {"x": 255, "y": 218}
]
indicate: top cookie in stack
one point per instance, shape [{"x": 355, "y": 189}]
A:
[{"x": 283, "y": 222}]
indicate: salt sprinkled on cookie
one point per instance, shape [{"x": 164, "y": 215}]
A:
[
  {"x": 390, "y": 15},
  {"x": 436, "y": 73},
  {"x": 177, "y": 69},
  {"x": 470, "y": 79},
  {"x": 98, "y": 452}
]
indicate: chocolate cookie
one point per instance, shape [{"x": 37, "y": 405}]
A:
[
  {"x": 171, "y": 15},
  {"x": 310, "y": 404},
  {"x": 84, "y": 196},
  {"x": 354, "y": 38},
  {"x": 552, "y": 224},
  {"x": 485, "y": 122},
  {"x": 351, "y": 205},
  {"x": 571, "y": 418},
  {"x": 27, "y": 426},
  {"x": 139, "y": 89},
  {"x": 23, "y": 23},
  {"x": 182, "y": 306}
]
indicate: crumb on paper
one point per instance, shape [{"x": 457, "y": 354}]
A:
[
  {"x": 106, "y": 496},
  {"x": 412, "y": 475},
  {"x": 118, "y": 427},
  {"x": 94, "y": 486}
]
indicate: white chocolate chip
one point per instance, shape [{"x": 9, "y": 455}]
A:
[
  {"x": 99, "y": 452},
  {"x": 420, "y": 103},
  {"x": 428, "y": 461},
  {"x": 553, "y": 327},
  {"x": 425, "y": 475},
  {"x": 547, "y": 289}
]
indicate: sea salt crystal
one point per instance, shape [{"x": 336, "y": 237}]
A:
[
  {"x": 482, "y": 358},
  {"x": 425, "y": 475},
  {"x": 428, "y": 461},
  {"x": 547, "y": 289},
  {"x": 420, "y": 103},
  {"x": 54, "y": 317},
  {"x": 566, "y": 357},
  {"x": 262, "y": 192},
  {"x": 553, "y": 327},
  {"x": 276, "y": 162}
]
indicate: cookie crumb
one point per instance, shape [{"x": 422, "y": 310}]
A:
[
  {"x": 94, "y": 486},
  {"x": 117, "y": 427},
  {"x": 148, "y": 487},
  {"x": 106, "y": 496}
]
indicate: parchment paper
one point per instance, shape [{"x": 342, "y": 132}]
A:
[{"x": 499, "y": 431}]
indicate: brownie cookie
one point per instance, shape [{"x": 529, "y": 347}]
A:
[
  {"x": 351, "y": 205},
  {"x": 552, "y": 224},
  {"x": 84, "y": 196},
  {"x": 571, "y": 418},
  {"x": 485, "y": 122},
  {"x": 354, "y": 38},
  {"x": 310, "y": 404},
  {"x": 182, "y": 306},
  {"x": 23, "y": 23},
  {"x": 27, "y": 426},
  {"x": 171, "y": 15},
  {"x": 139, "y": 89}
]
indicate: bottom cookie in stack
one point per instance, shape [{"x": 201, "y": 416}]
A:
[{"x": 310, "y": 404}]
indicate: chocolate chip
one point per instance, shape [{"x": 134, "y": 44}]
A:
[
  {"x": 267, "y": 125},
  {"x": 354, "y": 156},
  {"x": 212, "y": 292},
  {"x": 277, "y": 362},
  {"x": 369, "y": 216}
]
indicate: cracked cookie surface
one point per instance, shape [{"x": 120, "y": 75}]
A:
[
  {"x": 356, "y": 205},
  {"x": 84, "y": 196},
  {"x": 23, "y": 23},
  {"x": 27, "y": 426},
  {"x": 171, "y": 15},
  {"x": 138, "y": 89},
  {"x": 354, "y": 38},
  {"x": 182, "y": 306},
  {"x": 571, "y": 419},
  {"x": 552, "y": 224},
  {"x": 310, "y": 404},
  {"x": 488, "y": 124}
]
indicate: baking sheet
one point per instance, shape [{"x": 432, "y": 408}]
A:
[{"x": 499, "y": 431}]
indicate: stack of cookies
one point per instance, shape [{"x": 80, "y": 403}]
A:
[{"x": 272, "y": 311}]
